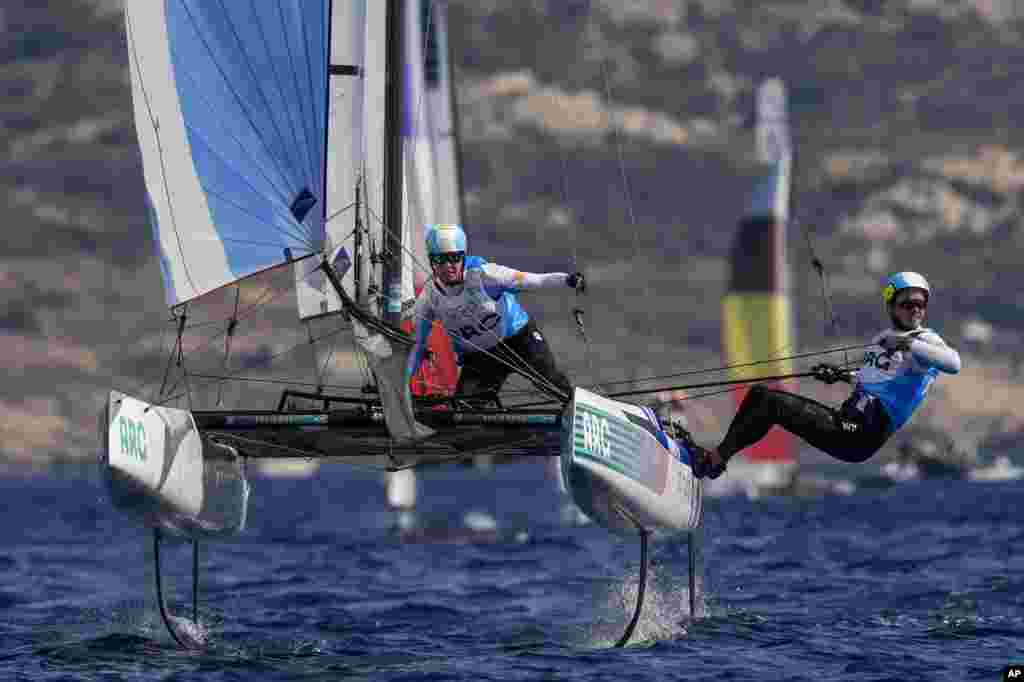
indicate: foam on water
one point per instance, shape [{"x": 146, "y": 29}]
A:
[
  {"x": 193, "y": 635},
  {"x": 919, "y": 581},
  {"x": 665, "y": 614}
]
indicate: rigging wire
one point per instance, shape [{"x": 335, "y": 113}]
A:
[
  {"x": 184, "y": 378},
  {"x": 170, "y": 357},
  {"x": 236, "y": 377},
  {"x": 578, "y": 313},
  {"x": 831, "y": 320},
  {"x": 740, "y": 386},
  {"x": 737, "y": 384},
  {"x": 269, "y": 360},
  {"x": 338, "y": 213},
  {"x": 713, "y": 384},
  {"x": 741, "y": 365},
  {"x": 184, "y": 369},
  {"x": 627, "y": 191},
  {"x": 318, "y": 368},
  {"x": 617, "y": 137},
  {"x": 232, "y": 324},
  {"x": 263, "y": 301},
  {"x": 281, "y": 382}
]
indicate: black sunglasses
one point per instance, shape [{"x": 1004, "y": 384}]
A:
[
  {"x": 450, "y": 257},
  {"x": 913, "y": 303}
]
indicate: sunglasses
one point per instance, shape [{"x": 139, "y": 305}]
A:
[
  {"x": 913, "y": 304},
  {"x": 444, "y": 258}
]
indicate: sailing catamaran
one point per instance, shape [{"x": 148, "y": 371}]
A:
[{"x": 315, "y": 138}]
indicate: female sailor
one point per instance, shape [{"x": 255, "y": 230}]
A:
[
  {"x": 899, "y": 367},
  {"x": 492, "y": 334}
]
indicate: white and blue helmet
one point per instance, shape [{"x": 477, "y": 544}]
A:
[
  {"x": 445, "y": 239},
  {"x": 905, "y": 280}
]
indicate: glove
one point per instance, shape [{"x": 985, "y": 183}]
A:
[
  {"x": 895, "y": 342},
  {"x": 577, "y": 282},
  {"x": 829, "y": 374}
]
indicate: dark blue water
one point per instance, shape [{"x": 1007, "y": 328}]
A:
[{"x": 918, "y": 581}]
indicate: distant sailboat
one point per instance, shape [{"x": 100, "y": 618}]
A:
[{"x": 757, "y": 319}]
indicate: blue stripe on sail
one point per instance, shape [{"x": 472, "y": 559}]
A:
[{"x": 251, "y": 78}]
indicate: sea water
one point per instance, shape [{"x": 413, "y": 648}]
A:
[{"x": 922, "y": 580}]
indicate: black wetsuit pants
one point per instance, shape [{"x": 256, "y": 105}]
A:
[
  {"x": 851, "y": 433},
  {"x": 526, "y": 351}
]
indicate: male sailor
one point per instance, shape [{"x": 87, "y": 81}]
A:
[
  {"x": 899, "y": 366},
  {"x": 492, "y": 334}
]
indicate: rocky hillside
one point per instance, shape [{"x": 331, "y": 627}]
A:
[{"x": 613, "y": 132}]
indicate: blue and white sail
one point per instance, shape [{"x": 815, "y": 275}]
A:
[{"x": 230, "y": 113}]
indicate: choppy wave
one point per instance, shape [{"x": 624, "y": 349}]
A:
[{"x": 920, "y": 580}]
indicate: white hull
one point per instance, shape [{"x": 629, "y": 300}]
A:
[
  {"x": 620, "y": 472},
  {"x": 161, "y": 472}
]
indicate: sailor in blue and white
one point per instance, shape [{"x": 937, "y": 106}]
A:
[
  {"x": 900, "y": 364},
  {"x": 491, "y": 333}
]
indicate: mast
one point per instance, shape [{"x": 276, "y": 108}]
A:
[
  {"x": 359, "y": 276},
  {"x": 454, "y": 108},
  {"x": 391, "y": 275}
]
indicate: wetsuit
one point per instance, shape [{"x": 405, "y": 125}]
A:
[
  {"x": 491, "y": 333},
  {"x": 888, "y": 388}
]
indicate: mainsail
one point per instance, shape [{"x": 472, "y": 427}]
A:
[
  {"x": 232, "y": 135},
  {"x": 757, "y": 315}
]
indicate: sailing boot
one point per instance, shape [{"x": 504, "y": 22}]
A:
[{"x": 702, "y": 466}]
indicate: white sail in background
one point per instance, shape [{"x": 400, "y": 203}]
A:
[
  {"x": 357, "y": 139},
  {"x": 355, "y": 152},
  {"x": 431, "y": 180}
]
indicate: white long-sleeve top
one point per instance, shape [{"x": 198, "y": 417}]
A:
[
  {"x": 901, "y": 379},
  {"x": 480, "y": 312}
]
